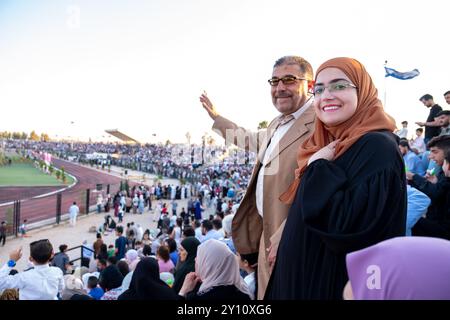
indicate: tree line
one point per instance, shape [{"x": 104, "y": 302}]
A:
[{"x": 24, "y": 136}]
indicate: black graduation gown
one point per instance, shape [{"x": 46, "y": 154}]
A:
[{"x": 341, "y": 206}]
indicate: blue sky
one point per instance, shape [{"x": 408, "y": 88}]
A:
[{"x": 140, "y": 66}]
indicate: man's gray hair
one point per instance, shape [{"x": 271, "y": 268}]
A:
[{"x": 305, "y": 67}]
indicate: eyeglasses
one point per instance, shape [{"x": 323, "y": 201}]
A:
[
  {"x": 289, "y": 79},
  {"x": 333, "y": 87},
  {"x": 39, "y": 241}
]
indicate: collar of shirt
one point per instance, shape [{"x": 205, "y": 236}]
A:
[
  {"x": 302, "y": 110},
  {"x": 297, "y": 113},
  {"x": 277, "y": 136}
]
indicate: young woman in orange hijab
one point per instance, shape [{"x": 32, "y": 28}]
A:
[{"x": 350, "y": 187}]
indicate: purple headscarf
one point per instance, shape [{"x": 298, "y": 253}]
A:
[{"x": 403, "y": 268}]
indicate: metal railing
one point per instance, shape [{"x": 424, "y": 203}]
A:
[
  {"x": 40, "y": 209},
  {"x": 82, "y": 248}
]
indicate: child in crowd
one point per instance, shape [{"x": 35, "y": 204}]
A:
[
  {"x": 164, "y": 261},
  {"x": 23, "y": 229},
  {"x": 93, "y": 289},
  {"x": 111, "y": 251},
  {"x": 120, "y": 214},
  {"x": 249, "y": 263},
  {"x": 40, "y": 283}
]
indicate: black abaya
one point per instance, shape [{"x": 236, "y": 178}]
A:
[
  {"x": 146, "y": 283},
  {"x": 341, "y": 206}
]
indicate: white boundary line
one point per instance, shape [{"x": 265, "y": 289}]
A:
[{"x": 45, "y": 194}]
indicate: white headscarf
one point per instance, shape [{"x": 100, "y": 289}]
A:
[
  {"x": 226, "y": 224},
  {"x": 80, "y": 271},
  {"x": 126, "y": 281},
  {"x": 73, "y": 283},
  {"x": 131, "y": 255},
  {"x": 216, "y": 266},
  {"x": 132, "y": 258}
]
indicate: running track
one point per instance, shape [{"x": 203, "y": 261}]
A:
[{"x": 43, "y": 208}]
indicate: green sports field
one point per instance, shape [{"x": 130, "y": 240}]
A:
[{"x": 24, "y": 174}]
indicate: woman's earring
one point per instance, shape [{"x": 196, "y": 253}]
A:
[{"x": 311, "y": 87}]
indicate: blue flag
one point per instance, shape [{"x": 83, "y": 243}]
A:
[{"x": 401, "y": 75}]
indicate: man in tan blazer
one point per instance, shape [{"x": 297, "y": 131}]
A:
[{"x": 259, "y": 221}]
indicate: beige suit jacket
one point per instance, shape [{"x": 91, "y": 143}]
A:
[{"x": 250, "y": 232}]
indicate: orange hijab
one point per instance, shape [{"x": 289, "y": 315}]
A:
[{"x": 369, "y": 116}]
